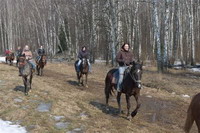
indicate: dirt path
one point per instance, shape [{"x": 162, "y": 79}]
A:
[{"x": 83, "y": 110}]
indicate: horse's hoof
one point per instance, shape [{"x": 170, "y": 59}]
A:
[
  {"x": 133, "y": 113},
  {"x": 129, "y": 118},
  {"x": 86, "y": 86},
  {"x": 29, "y": 90},
  {"x": 26, "y": 94}
]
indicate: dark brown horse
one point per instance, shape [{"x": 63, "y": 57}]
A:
[
  {"x": 84, "y": 69},
  {"x": 26, "y": 72},
  {"x": 40, "y": 64},
  {"x": 10, "y": 57},
  {"x": 131, "y": 85},
  {"x": 193, "y": 114}
]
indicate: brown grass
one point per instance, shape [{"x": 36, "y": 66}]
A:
[{"x": 163, "y": 113}]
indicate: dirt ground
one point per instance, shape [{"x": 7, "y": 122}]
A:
[{"x": 163, "y": 108}]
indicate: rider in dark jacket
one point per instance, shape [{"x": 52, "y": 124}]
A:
[
  {"x": 83, "y": 54},
  {"x": 40, "y": 52},
  {"x": 124, "y": 58}
]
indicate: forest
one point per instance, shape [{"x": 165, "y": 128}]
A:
[{"x": 160, "y": 31}]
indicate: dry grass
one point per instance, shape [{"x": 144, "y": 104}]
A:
[{"x": 163, "y": 113}]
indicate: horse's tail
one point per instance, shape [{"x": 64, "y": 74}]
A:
[
  {"x": 190, "y": 119},
  {"x": 108, "y": 83}
]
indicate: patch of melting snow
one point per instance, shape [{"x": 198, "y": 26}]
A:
[
  {"x": 173, "y": 93},
  {"x": 149, "y": 96},
  {"x": 186, "y": 96},
  {"x": 44, "y": 107},
  {"x": 2, "y": 59},
  {"x": 58, "y": 118},
  {"x": 17, "y": 100},
  {"x": 62, "y": 125},
  {"x": 194, "y": 69},
  {"x": 8, "y": 127}
]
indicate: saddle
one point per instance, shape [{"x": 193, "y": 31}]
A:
[{"x": 116, "y": 73}]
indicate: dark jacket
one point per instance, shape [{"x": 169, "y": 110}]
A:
[
  {"x": 83, "y": 54},
  {"x": 41, "y": 52},
  {"x": 19, "y": 52},
  {"x": 124, "y": 57}
]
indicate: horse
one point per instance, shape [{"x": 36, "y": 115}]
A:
[
  {"x": 193, "y": 114},
  {"x": 131, "y": 85},
  {"x": 26, "y": 73},
  {"x": 84, "y": 69},
  {"x": 40, "y": 64},
  {"x": 10, "y": 57}
]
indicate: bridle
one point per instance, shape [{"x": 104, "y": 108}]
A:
[{"x": 133, "y": 77}]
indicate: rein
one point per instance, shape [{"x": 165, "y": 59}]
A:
[{"x": 133, "y": 78}]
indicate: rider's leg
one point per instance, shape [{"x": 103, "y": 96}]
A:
[
  {"x": 121, "y": 76},
  {"x": 89, "y": 65},
  {"x": 78, "y": 65},
  {"x": 32, "y": 64}
]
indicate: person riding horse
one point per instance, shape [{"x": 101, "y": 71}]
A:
[
  {"x": 19, "y": 51},
  {"x": 29, "y": 56},
  {"x": 40, "y": 52},
  {"x": 83, "y": 54},
  {"x": 124, "y": 59},
  {"x": 7, "y": 52}
]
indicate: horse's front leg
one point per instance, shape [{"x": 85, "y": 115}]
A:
[
  {"x": 128, "y": 107},
  {"x": 137, "y": 102},
  {"x": 82, "y": 79},
  {"x": 79, "y": 78},
  {"x": 25, "y": 85},
  {"x": 41, "y": 73},
  {"x": 86, "y": 76},
  {"x": 30, "y": 81},
  {"x": 119, "y": 101}
]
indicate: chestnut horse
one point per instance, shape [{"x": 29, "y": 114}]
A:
[
  {"x": 131, "y": 85},
  {"x": 26, "y": 72},
  {"x": 40, "y": 64},
  {"x": 193, "y": 114},
  {"x": 84, "y": 69},
  {"x": 10, "y": 57}
]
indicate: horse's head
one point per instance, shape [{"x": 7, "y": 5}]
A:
[
  {"x": 43, "y": 59},
  {"x": 136, "y": 73},
  {"x": 84, "y": 62},
  {"x": 22, "y": 60}
]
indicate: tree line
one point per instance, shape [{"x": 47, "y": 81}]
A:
[{"x": 161, "y": 31}]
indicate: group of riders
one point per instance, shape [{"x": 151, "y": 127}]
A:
[
  {"x": 124, "y": 58},
  {"x": 28, "y": 55}
]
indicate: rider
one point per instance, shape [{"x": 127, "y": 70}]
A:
[
  {"x": 19, "y": 51},
  {"x": 7, "y": 52},
  {"x": 40, "y": 52},
  {"x": 83, "y": 54},
  {"x": 124, "y": 59},
  {"x": 29, "y": 56}
]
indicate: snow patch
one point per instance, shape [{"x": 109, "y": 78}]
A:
[
  {"x": 8, "y": 127},
  {"x": 194, "y": 69},
  {"x": 186, "y": 96},
  {"x": 2, "y": 59}
]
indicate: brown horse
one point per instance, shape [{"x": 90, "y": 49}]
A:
[
  {"x": 26, "y": 72},
  {"x": 40, "y": 64},
  {"x": 10, "y": 57},
  {"x": 131, "y": 85},
  {"x": 84, "y": 69},
  {"x": 193, "y": 114}
]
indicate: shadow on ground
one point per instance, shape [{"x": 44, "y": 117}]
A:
[
  {"x": 19, "y": 88},
  {"x": 105, "y": 109}
]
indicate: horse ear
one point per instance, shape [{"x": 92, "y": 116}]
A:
[{"x": 133, "y": 63}]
